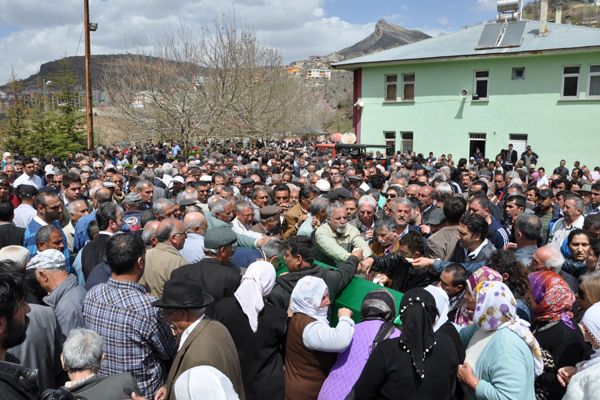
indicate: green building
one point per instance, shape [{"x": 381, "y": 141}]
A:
[{"x": 485, "y": 86}]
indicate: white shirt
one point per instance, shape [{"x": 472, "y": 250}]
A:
[
  {"x": 25, "y": 179},
  {"x": 542, "y": 181},
  {"x": 239, "y": 228},
  {"x": 318, "y": 335},
  {"x": 188, "y": 332},
  {"x": 24, "y": 213},
  {"x": 561, "y": 231},
  {"x": 472, "y": 255}
]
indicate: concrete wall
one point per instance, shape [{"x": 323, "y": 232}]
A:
[{"x": 441, "y": 120}]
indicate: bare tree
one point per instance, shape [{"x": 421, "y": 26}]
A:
[{"x": 218, "y": 83}]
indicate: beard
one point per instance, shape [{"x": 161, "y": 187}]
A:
[
  {"x": 16, "y": 333},
  {"x": 340, "y": 229}
]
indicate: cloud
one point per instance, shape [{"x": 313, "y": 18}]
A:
[
  {"x": 443, "y": 21},
  {"x": 487, "y": 5},
  {"x": 46, "y": 30}
]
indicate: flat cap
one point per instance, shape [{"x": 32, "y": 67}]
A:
[
  {"x": 586, "y": 188},
  {"x": 133, "y": 198},
  {"x": 247, "y": 181},
  {"x": 546, "y": 193},
  {"x": 219, "y": 237},
  {"x": 187, "y": 202},
  {"x": 267, "y": 212}
]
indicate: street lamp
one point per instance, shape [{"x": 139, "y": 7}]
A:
[{"x": 46, "y": 83}]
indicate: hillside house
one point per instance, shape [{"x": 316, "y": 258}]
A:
[{"x": 485, "y": 86}]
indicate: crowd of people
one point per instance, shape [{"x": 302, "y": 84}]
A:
[{"x": 138, "y": 273}]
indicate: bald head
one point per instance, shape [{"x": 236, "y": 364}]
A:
[
  {"x": 195, "y": 222},
  {"x": 171, "y": 231},
  {"x": 413, "y": 190},
  {"x": 149, "y": 233}
]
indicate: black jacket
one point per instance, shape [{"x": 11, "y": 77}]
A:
[
  {"x": 216, "y": 279},
  {"x": 404, "y": 277},
  {"x": 16, "y": 381},
  {"x": 336, "y": 280}
]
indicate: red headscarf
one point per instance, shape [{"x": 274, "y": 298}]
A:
[{"x": 553, "y": 297}]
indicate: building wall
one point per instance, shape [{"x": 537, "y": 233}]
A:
[{"x": 441, "y": 120}]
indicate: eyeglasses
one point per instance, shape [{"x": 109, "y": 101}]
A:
[{"x": 391, "y": 195}]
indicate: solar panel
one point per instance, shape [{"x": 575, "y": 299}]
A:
[
  {"x": 489, "y": 36},
  {"x": 513, "y": 35},
  {"x": 497, "y": 35}
]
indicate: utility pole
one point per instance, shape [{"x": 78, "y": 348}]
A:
[{"x": 89, "y": 120}]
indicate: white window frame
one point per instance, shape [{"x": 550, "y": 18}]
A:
[
  {"x": 569, "y": 75},
  {"x": 405, "y": 83},
  {"x": 389, "y": 138},
  {"x": 477, "y": 79},
  {"x": 589, "y": 83}
]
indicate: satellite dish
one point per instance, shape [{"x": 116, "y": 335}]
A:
[
  {"x": 463, "y": 93},
  {"x": 348, "y": 138}
]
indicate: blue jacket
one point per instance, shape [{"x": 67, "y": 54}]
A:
[
  {"x": 505, "y": 367},
  {"x": 31, "y": 245}
]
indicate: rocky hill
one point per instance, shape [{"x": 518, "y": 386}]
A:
[{"x": 384, "y": 37}]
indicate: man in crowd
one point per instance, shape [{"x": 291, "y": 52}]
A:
[
  {"x": 573, "y": 219},
  {"x": 163, "y": 259},
  {"x": 28, "y": 177},
  {"x": 296, "y": 215},
  {"x": 136, "y": 337},
  {"x": 195, "y": 227},
  {"x": 25, "y": 212}
]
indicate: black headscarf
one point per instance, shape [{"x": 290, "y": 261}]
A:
[
  {"x": 418, "y": 313},
  {"x": 378, "y": 304}
]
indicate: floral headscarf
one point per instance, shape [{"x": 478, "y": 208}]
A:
[
  {"x": 464, "y": 316},
  {"x": 553, "y": 297},
  {"x": 496, "y": 308}
]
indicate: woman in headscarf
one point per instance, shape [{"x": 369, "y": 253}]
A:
[
  {"x": 420, "y": 364},
  {"x": 584, "y": 378},
  {"x": 258, "y": 331},
  {"x": 202, "y": 383},
  {"x": 464, "y": 316},
  {"x": 312, "y": 344},
  {"x": 442, "y": 324},
  {"x": 561, "y": 342},
  {"x": 377, "y": 314},
  {"x": 503, "y": 356}
]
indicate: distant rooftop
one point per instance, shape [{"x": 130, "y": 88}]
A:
[{"x": 464, "y": 43}]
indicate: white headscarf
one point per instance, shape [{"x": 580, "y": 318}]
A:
[
  {"x": 203, "y": 383},
  {"x": 442, "y": 302},
  {"x": 257, "y": 282},
  {"x": 591, "y": 323},
  {"x": 307, "y": 297}
]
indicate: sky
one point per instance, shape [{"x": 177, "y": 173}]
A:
[{"x": 36, "y": 31}]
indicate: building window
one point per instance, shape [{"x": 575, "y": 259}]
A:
[
  {"x": 518, "y": 73},
  {"x": 481, "y": 85},
  {"x": 408, "y": 87},
  {"x": 570, "y": 80},
  {"x": 390, "y": 87},
  {"x": 477, "y": 144},
  {"x": 594, "y": 81},
  {"x": 390, "y": 139},
  {"x": 407, "y": 141}
]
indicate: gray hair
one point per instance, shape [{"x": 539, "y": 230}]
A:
[
  {"x": 147, "y": 174},
  {"x": 529, "y": 225},
  {"x": 82, "y": 350},
  {"x": 167, "y": 168},
  {"x": 401, "y": 201},
  {"x": 18, "y": 254},
  {"x": 318, "y": 204},
  {"x": 43, "y": 234},
  {"x": 369, "y": 200},
  {"x": 578, "y": 201},
  {"x": 555, "y": 259},
  {"x": 187, "y": 194},
  {"x": 440, "y": 176},
  {"x": 273, "y": 248},
  {"x": 242, "y": 205},
  {"x": 336, "y": 205},
  {"x": 148, "y": 232},
  {"x": 140, "y": 185},
  {"x": 218, "y": 206},
  {"x": 161, "y": 205},
  {"x": 386, "y": 222},
  {"x": 444, "y": 188},
  {"x": 71, "y": 206}
]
